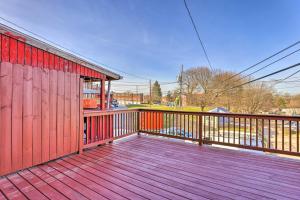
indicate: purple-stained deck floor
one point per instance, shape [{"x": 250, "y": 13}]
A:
[{"x": 144, "y": 167}]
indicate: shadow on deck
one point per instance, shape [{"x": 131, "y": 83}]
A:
[{"x": 147, "y": 167}]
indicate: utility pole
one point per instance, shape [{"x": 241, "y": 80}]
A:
[
  {"x": 108, "y": 94},
  {"x": 181, "y": 86},
  {"x": 150, "y": 96}
]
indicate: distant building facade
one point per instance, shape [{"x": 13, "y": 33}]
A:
[
  {"x": 291, "y": 111},
  {"x": 125, "y": 98}
]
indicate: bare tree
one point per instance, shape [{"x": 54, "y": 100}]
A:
[
  {"x": 256, "y": 97},
  {"x": 226, "y": 95},
  {"x": 196, "y": 84},
  {"x": 204, "y": 87}
]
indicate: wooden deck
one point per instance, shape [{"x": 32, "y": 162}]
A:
[{"x": 144, "y": 167}]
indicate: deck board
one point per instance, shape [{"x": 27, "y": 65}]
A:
[{"x": 147, "y": 167}]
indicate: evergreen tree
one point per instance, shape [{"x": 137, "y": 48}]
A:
[
  {"x": 169, "y": 96},
  {"x": 156, "y": 92}
]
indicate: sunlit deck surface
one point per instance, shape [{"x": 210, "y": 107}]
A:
[{"x": 144, "y": 167}]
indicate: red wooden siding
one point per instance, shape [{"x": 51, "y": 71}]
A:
[
  {"x": 67, "y": 114},
  {"x": 38, "y": 116},
  {"x": 45, "y": 115},
  {"x": 16, "y": 51},
  {"x": 40, "y": 105},
  {"x": 60, "y": 113},
  {"x": 5, "y": 119},
  {"x": 27, "y": 115},
  {"x": 52, "y": 113},
  {"x": 17, "y": 115}
]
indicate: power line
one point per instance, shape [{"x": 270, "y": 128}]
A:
[
  {"x": 289, "y": 76},
  {"x": 261, "y": 61},
  {"x": 262, "y": 77},
  {"x": 197, "y": 33},
  {"x": 292, "y": 80},
  {"x": 70, "y": 50},
  {"x": 122, "y": 81},
  {"x": 168, "y": 83},
  {"x": 124, "y": 85},
  {"x": 268, "y": 65},
  {"x": 297, "y": 86}
]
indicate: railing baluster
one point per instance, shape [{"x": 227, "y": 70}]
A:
[
  {"x": 173, "y": 124},
  {"x": 214, "y": 128},
  {"x": 184, "y": 126},
  {"x": 204, "y": 126},
  {"x": 223, "y": 128},
  {"x": 180, "y": 124},
  {"x": 218, "y": 129},
  {"x": 188, "y": 131},
  {"x": 263, "y": 133},
  {"x": 290, "y": 135},
  {"x": 197, "y": 128},
  {"x": 298, "y": 136},
  {"x": 157, "y": 122},
  {"x": 282, "y": 135},
  {"x": 200, "y": 129},
  {"x": 245, "y": 131},
  {"x": 168, "y": 131},
  {"x": 127, "y": 123},
  {"x": 122, "y": 123},
  {"x": 228, "y": 128},
  {"x": 276, "y": 133},
  {"x": 233, "y": 130},
  {"x": 250, "y": 131},
  {"x": 209, "y": 127},
  {"x": 269, "y": 132},
  {"x": 88, "y": 130},
  {"x": 239, "y": 130},
  {"x": 256, "y": 132}
]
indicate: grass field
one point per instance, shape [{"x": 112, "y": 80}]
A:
[{"x": 163, "y": 107}]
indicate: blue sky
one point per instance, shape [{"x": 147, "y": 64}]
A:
[{"x": 152, "y": 38}]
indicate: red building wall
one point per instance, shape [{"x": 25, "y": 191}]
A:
[{"x": 40, "y": 105}]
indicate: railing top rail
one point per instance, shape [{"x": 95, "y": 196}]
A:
[
  {"x": 90, "y": 113},
  {"x": 236, "y": 115},
  {"x": 87, "y": 113}
]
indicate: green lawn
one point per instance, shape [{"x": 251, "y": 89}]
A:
[{"x": 163, "y": 107}]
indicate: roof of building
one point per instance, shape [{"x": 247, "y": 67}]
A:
[
  {"x": 4, "y": 29},
  {"x": 219, "y": 110}
]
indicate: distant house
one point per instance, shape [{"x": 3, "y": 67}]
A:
[
  {"x": 219, "y": 110},
  {"x": 221, "y": 119},
  {"x": 291, "y": 111},
  {"x": 128, "y": 98}
]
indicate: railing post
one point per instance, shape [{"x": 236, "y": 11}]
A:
[
  {"x": 81, "y": 117},
  {"x": 200, "y": 130},
  {"x": 138, "y": 122}
]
